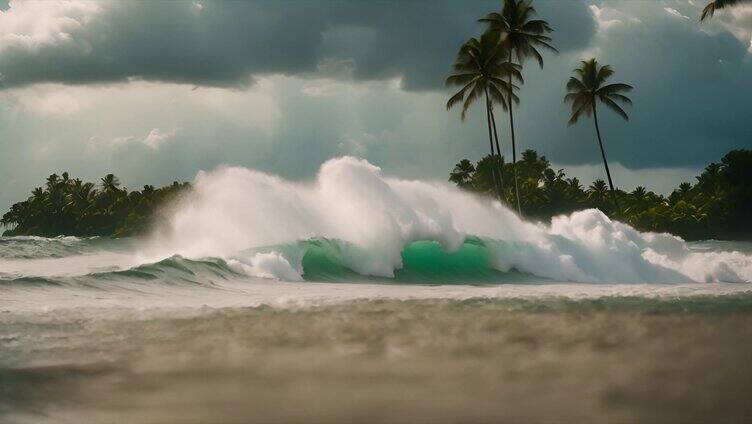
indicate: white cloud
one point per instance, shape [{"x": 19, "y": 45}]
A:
[
  {"x": 30, "y": 24},
  {"x": 738, "y": 21},
  {"x": 156, "y": 137},
  {"x": 673, "y": 12},
  {"x": 601, "y": 18}
]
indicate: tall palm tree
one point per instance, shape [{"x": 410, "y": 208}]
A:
[
  {"x": 585, "y": 90},
  {"x": 709, "y": 10},
  {"x": 480, "y": 70},
  {"x": 522, "y": 36}
]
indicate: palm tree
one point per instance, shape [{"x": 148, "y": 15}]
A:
[
  {"x": 639, "y": 192},
  {"x": 597, "y": 191},
  {"x": 52, "y": 182},
  {"x": 585, "y": 90},
  {"x": 486, "y": 172},
  {"x": 522, "y": 36},
  {"x": 462, "y": 175},
  {"x": 480, "y": 71},
  {"x": 639, "y": 199},
  {"x": 110, "y": 183},
  {"x": 709, "y": 10},
  {"x": 683, "y": 191}
]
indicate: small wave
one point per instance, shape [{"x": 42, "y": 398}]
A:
[
  {"x": 33, "y": 247},
  {"x": 174, "y": 270}
]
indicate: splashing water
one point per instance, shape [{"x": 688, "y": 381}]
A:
[
  {"x": 354, "y": 224},
  {"x": 369, "y": 223},
  {"x": 210, "y": 308}
]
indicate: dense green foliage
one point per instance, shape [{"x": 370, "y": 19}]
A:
[
  {"x": 72, "y": 207},
  {"x": 717, "y": 206}
]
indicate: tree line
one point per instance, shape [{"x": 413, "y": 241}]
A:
[
  {"x": 489, "y": 68},
  {"x": 717, "y": 206},
  {"x": 66, "y": 206}
]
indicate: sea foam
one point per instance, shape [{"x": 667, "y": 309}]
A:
[{"x": 233, "y": 212}]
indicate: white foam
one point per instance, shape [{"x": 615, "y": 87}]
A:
[
  {"x": 234, "y": 209},
  {"x": 268, "y": 265}
]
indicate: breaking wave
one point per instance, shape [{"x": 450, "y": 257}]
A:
[
  {"x": 354, "y": 224},
  {"x": 352, "y": 220}
]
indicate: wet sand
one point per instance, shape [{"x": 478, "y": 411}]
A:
[{"x": 376, "y": 361}]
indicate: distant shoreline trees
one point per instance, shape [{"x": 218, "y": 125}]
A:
[
  {"x": 71, "y": 207},
  {"x": 717, "y": 206}
]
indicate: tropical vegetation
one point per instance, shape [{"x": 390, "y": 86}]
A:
[
  {"x": 717, "y": 206},
  {"x": 66, "y": 206}
]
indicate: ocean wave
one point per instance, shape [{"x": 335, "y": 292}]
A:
[
  {"x": 370, "y": 222},
  {"x": 354, "y": 224},
  {"x": 34, "y": 247},
  {"x": 171, "y": 271}
]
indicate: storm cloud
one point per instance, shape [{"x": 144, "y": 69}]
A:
[
  {"x": 156, "y": 91},
  {"x": 225, "y": 43}
]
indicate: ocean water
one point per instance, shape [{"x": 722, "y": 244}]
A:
[{"x": 359, "y": 297}]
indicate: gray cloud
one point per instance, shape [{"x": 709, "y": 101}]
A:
[
  {"x": 324, "y": 87},
  {"x": 224, "y": 43}
]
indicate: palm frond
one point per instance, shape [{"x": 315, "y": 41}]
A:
[
  {"x": 603, "y": 74},
  {"x": 493, "y": 18},
  {"x": 575, "y": 84},
  {"x": 571, "y": 97},
  {"x": 536, "y": 26},
  {"x": 575, "y": 116},
  {"x": 460, "y": 79},
  {"x": 615, "y": 88},
  {"x": 456, "y": 98},
  {"x": 473, "y": 95},
  {"x": 499, "y": 95},
  {"x": 620, "y": 98},
  {"x": 615, "y": 107}
]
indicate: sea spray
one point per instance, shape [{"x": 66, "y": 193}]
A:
[{"x": 248, "y": 217}]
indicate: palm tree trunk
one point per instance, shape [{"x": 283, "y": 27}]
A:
[
  {"x": 605, "y": 162},
  {"x": 514, "y": 146},
  {"x": 498, "y": 152},
  {"x": 490, "y": 142}
]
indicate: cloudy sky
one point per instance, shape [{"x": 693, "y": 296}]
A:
[{"x": 155, "y": 91}]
